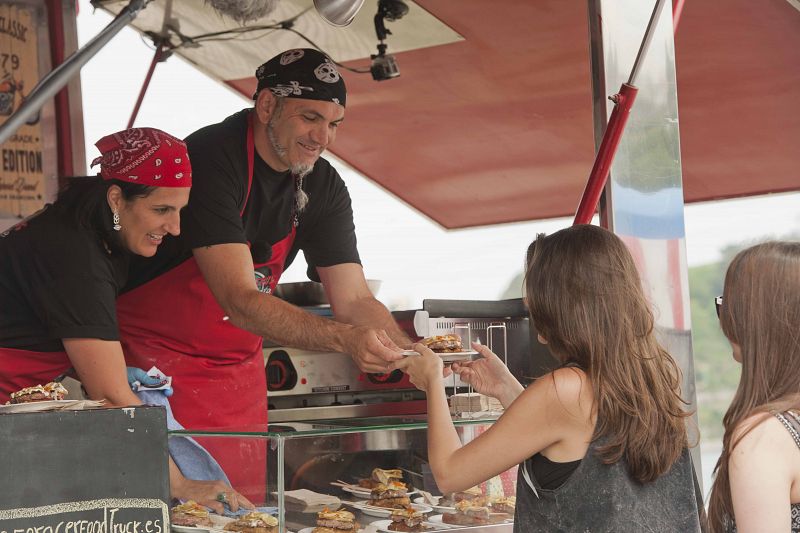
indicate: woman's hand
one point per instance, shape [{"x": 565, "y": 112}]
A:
[
  {"x": 425, "y": 370},
  {"x": 489, "y": 375},
  {"x": 209, "y": 493}
]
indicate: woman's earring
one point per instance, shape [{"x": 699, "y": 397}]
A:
[{"x": 115, "y": 219}]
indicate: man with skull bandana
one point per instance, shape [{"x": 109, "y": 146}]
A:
[{"x": 261, "y": 193}]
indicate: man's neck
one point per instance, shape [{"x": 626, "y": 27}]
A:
[{"x": 264, "y": 147}]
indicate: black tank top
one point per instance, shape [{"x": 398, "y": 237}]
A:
[
  {"x": 551, "y": 474},
  {"x": 601, "y": 498}
]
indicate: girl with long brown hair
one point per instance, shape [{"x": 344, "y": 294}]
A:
[
  {"x": 757, "y": 483},
  {"x": 601, "y": 441}
]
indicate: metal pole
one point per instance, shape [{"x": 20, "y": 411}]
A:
[
  {"x": 648, "y": 36},
  {"x": 614, "y": 129},
  {"x": 156, "y": 58},
  {"x": 59, "y": 76}
]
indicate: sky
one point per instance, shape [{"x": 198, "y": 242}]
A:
[{"x": 413, "y": 256}]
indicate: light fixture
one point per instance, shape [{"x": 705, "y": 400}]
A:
[
  {"x": 338, "y": 13},
  {"x": 384, "y": 66}
]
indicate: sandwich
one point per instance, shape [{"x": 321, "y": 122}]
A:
[
  {"x": 39, "y": 393},
  {"x": 190, "y": 514},
  {"x": 335, "y": 522},
  {"x": 503, "y": 505},
  {"x": 407, "y": 519},
  {"x": 254, "y": 523},
  {"x": 443, "y": 343},
  {"x": 379, "y": 475},
  {"x": 392, "y": 496},
  {"x": 475, "y": 513},
  {"x": 452, "y": 498}
]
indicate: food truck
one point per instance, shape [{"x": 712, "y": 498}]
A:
[{"x": 500, "y": 112}]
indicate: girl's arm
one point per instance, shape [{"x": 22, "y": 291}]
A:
[
  {"x": 761, "y": 470},
  {"x": 556, "y": 407}
]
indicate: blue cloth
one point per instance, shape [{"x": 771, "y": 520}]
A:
[{"x": 192, "y": 459}]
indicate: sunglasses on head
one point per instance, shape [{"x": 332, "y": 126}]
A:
[{"x": 718, "y": 304}]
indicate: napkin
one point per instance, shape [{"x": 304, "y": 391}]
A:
[{"x": 309, "y": 498}]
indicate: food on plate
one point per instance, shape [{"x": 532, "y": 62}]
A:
[
  {"x": 407, "y": 519},
  {"x": 474, "y": 513},
  {"x": 190, "y": 514},
  {"x": 452, "y": 498},
  {"x": 503, "y": 505},
  {"x": 39, "y": 393},
  {"x": 443, "y": 343},
  {"x": 254, "y": 523},
  {"x": 380, "y": 475},
  {"x": 392, "y": 496},
  {"x": 335, "y": 522}
]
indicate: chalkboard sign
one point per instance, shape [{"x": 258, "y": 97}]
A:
[
  {"x": 97, "y": 516},
  {"x": 95, "y": 471}
]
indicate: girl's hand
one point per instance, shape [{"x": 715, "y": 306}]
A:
[
  {"x": 425, "y": 370},
  {"x": 487, "y": 375}
]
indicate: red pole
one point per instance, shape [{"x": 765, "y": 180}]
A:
[
  {"x": 677, "y": 9},
  {"x": 605, "y": 154},
  {"x": 156, "y": 58},
  {"x": 55, "y": 20}
]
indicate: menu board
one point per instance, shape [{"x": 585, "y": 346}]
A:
[
  {"x": 92, "y": 471},
  {"x": 97, "y": 516},
  {"x": 22, "y": 178}
]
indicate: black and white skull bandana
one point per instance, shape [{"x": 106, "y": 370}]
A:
[{"x": 302, "y": 73}]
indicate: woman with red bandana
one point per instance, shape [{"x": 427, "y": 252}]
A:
[{"x": 61, "y": 270}]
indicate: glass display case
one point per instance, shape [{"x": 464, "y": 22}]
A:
[{"x": 297, "y": 469}]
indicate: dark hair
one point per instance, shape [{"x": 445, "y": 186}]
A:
[
  {"x": 585, "y": 297},
  {"x": 83, "y": 202}
]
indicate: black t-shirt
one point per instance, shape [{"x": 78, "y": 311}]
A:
[
  {"x": 325, "y": 231},
  {"x": 57, "y": 281}
]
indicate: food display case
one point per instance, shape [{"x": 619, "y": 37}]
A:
[{"x": 297, "y": 469}]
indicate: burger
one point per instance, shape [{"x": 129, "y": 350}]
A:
[
  {"x": 468, "y": 514},
  {"x": 443, "y": 343},
  {"x": 39, "y": 393},
  {"x": 472, "y": 494},
  {"x": 391, "y": 496},
  {"x": 254, "y": 523},
  {"x": 503, "y": 505},
  {"x": 379, "y": 475},
  {"x": 407, "y": 519},
  {"x": 190, "y": 514},
  {"x": 335, "y": 522}
]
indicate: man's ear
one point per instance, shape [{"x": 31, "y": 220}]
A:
[
  {"x": 114, "y": 198},
  {"x": 541, "y": 339},
  {"x": 265, "y": 105}
]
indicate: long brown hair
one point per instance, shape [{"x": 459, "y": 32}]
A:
[
  {"x": 760, "y": 313},
  {"x": 585, "y": 297}
]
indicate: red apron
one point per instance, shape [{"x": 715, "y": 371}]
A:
[
  {"x": 175, "y": 323},
  {"x": 24, "y": 368}
]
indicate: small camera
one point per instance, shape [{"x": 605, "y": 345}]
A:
[{"x": 384, "y": 67}]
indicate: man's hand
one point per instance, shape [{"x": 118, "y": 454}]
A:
[{"x": 372, "y": 349}]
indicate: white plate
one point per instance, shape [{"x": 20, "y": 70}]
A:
[
  {"x": 306, "y": 530},
  {"x": 380, "y": 512},
  {"x": 49, "y": 405},
  {"x": 440, "y": 508},
  {"x": 449, "y": 357},
  {"x": 382, "y": 525},
  {"x": 358, "y": 492},
  {"x": 219, "y": 521},
  {"x": 188, "y": 529}
]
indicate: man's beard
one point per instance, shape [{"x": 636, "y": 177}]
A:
[{"x": 300, "y": 170}]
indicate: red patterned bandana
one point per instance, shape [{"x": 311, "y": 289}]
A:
[{"x": 144, "y": 155}]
